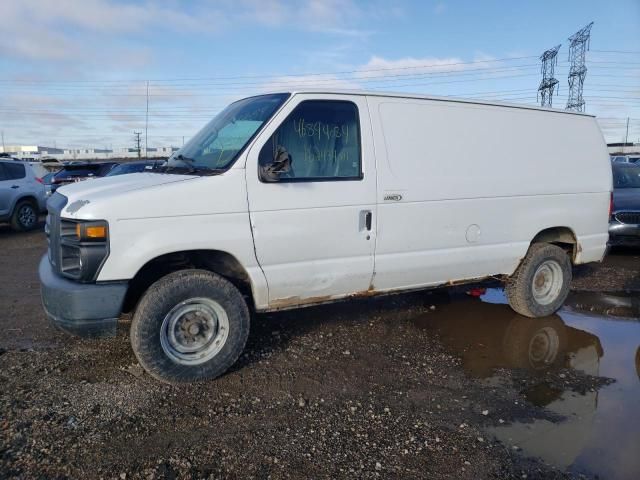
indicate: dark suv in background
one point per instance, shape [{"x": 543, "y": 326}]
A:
[
  {"x": 624, "y": 225},
  {"x": 76, "y": 172}
]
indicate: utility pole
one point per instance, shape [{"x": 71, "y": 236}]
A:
[
  {"x": 579, "y": 44},
  {"x": 137, "y": 139},
  {"x": 4, "y": 150},
  {"x": 626, "y": 135},
  {"x": 146, "y": 125},
  {"x": 548, "y": 84}
]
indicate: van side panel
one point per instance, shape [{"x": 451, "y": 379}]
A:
[{"x": 464, "y": 188}]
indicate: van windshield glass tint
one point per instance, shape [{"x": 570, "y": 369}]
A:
[
  {"x": 217, "y": 145},
  {"x": 626, "y": 177}
]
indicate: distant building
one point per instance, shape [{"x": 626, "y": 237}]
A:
[
  {"x": 623, "y": 148},
  {"x": 35, "y": 152},
  {"x": 29, "y": 152}
]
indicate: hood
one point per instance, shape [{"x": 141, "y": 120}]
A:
[
  {"x": 154, "y": 195},
  {"x": 626, "y": 199},
  {"x": 119, "y": 186},
  {"x": 97, "y": 187}
]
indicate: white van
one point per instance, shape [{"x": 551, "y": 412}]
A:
[{"x": 302, "y": 198}]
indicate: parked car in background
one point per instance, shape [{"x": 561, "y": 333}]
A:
[
  {"x": 624, "y": 227},
  {"x": 134, "y": 167},
  {"x": 39, "y": 169},
  {"x": 22, "y": 195},
  {"x": 78, "y": 171},
  {"x": 47, "y": 182},
  {"x": 625, "y": 159}
]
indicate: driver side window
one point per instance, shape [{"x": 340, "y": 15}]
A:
[{"x": 322, "y": 139}]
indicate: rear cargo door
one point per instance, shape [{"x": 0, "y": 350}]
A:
[{"x": 314, "y": 228}]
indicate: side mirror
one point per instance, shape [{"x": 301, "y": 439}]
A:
[{"x": 281, "y": 164}]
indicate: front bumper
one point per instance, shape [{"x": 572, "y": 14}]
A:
[
  {"x": 84, "y": 309},
  {"x": 624, "y": 234}
]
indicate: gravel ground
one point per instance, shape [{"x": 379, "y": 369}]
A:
[
  {"x": 345, "y": 390},
  {"x": 618, "y": 273}
]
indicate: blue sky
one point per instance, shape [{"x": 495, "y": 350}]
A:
[{"x": 74, "y": 72}]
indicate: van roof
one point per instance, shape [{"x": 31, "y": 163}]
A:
[{"x": 373, "y": 93}]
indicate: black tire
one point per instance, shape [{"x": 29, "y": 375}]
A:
[
  {"x": 25, "y": 216},
  {"x": 535, "y": 343},
  {"x": 519, "y": 288},
  {"x": 163, "y": 297}
]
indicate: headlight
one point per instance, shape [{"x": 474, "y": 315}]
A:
[{"x": 84, "y": 246}]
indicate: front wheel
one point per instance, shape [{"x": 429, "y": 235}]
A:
[
  {"x": 190, "y": 325},
  {"x": 541, "y": 283},
  {"x": 25, "y": 216}
]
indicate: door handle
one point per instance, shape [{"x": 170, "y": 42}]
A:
[
  {"x": 15, "y": 186},
  {"x": 367, "y": 220}
]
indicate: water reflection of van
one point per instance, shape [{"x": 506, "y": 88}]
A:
[{"x": 489, "y": 336}]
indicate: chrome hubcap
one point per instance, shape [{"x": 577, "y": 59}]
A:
[
  {"x": 547, "y": 282},
  {"x": 194, "y": 331},
  {"x": 27, "y": 216}
]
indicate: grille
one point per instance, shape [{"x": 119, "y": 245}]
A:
[
  {"x": 628, "y": 217},
  {"x": 55, "y": 205},
  {"x": 53, "y": 239}
]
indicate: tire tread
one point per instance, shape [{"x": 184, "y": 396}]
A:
[
  {"x": 518, "y": 289},
  {"x": 147, "y": 319}
]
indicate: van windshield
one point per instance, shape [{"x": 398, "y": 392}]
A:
[{"x": 218, "y": 144}]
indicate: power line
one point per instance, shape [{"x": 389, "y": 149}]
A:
[
  {"x": 637, "y": 52},
  {"x": 138, "y": 90},
  {"x": 446, "y": 73},
  {"x": 407, "y": 67}
]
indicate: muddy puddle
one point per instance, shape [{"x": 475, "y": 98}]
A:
[{"x": 598, "y": 428}]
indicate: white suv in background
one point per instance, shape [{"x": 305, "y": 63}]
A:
[{"x": 22, "y": 196}]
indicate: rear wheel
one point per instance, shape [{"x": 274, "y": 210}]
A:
[
  {"x": 25, "y": 216},
  {"x": 190, "y": 325},
  {"x": 541, "y": 283}
]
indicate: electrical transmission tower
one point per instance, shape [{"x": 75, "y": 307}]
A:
[
  {"x": 549, "y": 83},
  {"x": 579, "y": 44},
  {"x": 137, "y": 139}
]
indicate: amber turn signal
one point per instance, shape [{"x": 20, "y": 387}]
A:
[
  {"x": 97, "y": 232},
  {"x": 91, "y": 231}
]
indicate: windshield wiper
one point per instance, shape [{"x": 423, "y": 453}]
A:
[
  {"x": 191, "y": 167},
  {"x": 186, "y": 160}
]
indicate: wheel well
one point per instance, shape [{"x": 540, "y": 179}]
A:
[
  {"x": 222, "y": 263},
  {"x": 561, "y": 236},
  {"x": 26, "y": 198}
]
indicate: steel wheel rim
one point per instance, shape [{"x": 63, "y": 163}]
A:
[
  {"x": 26, "y": 216},
  {"x": 194, "y": 331},
  {"x": 543, "y": 347},
  {"x": 547, "y": 282}
]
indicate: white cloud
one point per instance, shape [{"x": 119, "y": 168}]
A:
[
  {"x": 101, "y": 15},
  {"x": 409, "y": 65},
  {"x": 309, "y": 82}
]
